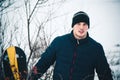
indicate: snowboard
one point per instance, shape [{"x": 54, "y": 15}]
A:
[{"x": 14, "y": 64}]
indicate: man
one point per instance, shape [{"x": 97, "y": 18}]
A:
[{"x": 76, "y": 55}]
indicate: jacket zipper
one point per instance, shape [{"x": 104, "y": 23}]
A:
[{"x": 73, "y": 61}]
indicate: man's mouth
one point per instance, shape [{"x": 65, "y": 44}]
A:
[{"x": 81, "y": 32}]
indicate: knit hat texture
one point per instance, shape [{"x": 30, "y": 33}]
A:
[{"x": 80, "y": 17}]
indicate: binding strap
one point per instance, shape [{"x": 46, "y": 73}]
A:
[{"x": 13, "y": 62}]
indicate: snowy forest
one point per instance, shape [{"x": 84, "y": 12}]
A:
[{"x": 33, "y": 24}]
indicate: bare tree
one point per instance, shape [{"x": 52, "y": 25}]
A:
[
  {"x": 29, "y": 14},
  {"x": 40, "y": 41}
]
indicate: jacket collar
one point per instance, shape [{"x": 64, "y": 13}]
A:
[{"x": 78, "y": 42}]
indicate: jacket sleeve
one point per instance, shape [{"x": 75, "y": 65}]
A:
[
  {"x": 47, "y": 59},
  {"x": 102, "y": 67}
]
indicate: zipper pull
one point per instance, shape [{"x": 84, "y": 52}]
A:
[{"x": 78, "y": 42}]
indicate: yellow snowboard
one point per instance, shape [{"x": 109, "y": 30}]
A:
[{"x": 14, "y": 64}]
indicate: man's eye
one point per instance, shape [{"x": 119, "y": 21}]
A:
[{"x": 84, "y": 24}]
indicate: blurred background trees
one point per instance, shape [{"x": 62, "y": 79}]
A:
[{"x": 113, "y": 57}]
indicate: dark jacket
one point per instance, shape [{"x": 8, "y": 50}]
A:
[{"x": 75, "y": 60}]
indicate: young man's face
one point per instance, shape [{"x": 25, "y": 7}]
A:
[{"x": 80, "y": 30}]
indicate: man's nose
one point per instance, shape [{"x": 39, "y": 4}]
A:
[{"x": 81, "y": 26}]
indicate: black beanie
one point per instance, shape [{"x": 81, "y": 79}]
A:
[{"x": 80, "y": 17}]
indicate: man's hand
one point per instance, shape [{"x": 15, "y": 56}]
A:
[{"x": 35, "y": 75}]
